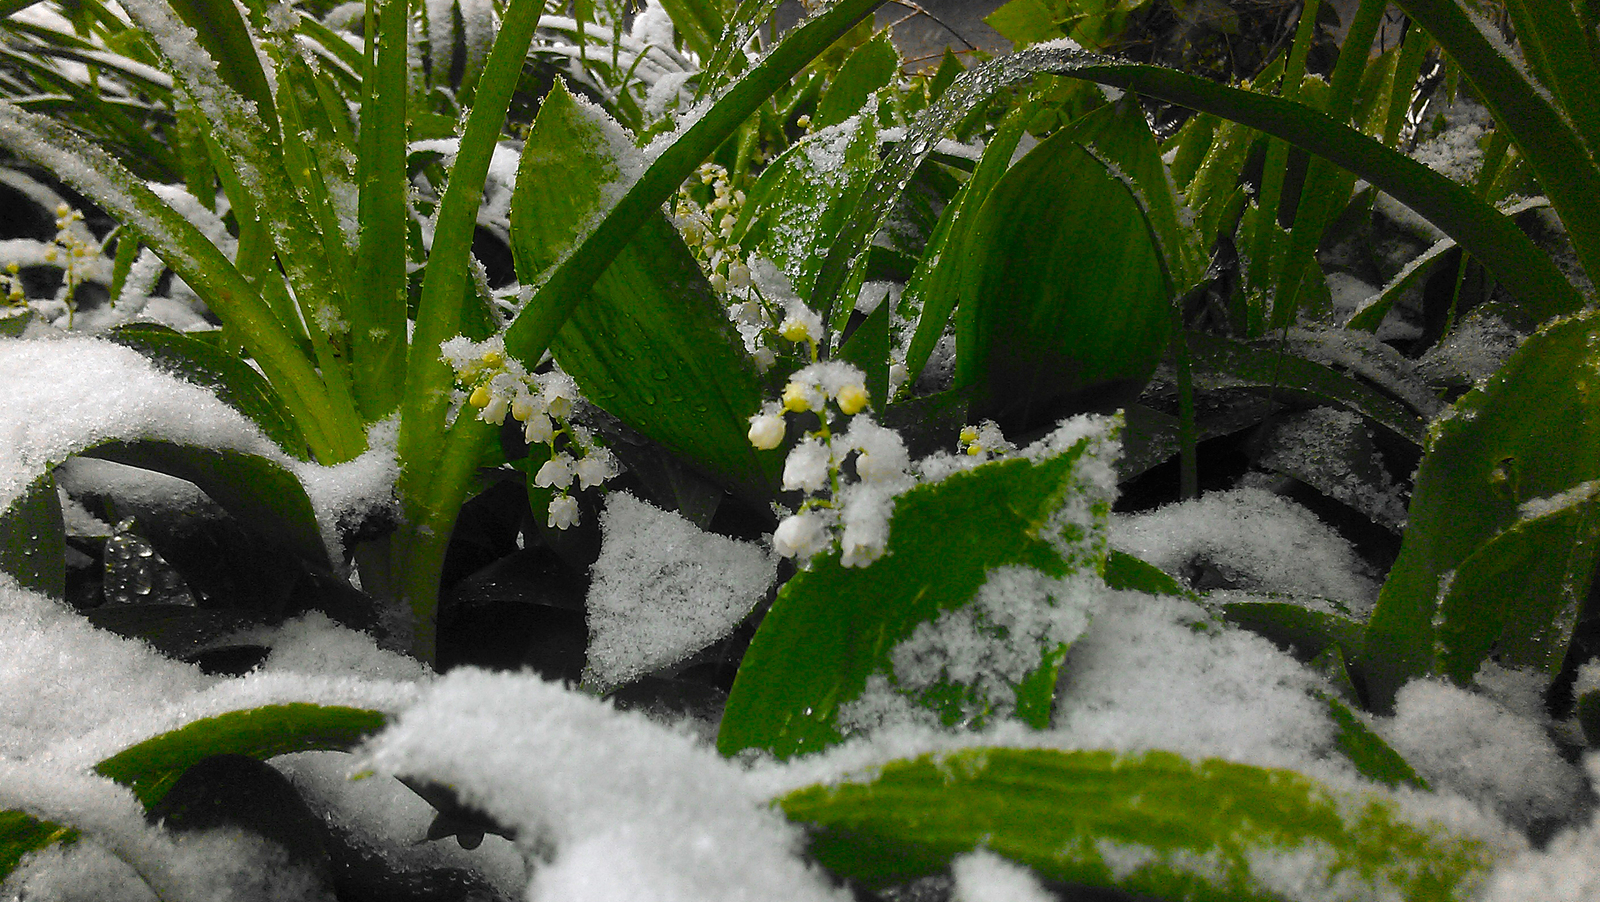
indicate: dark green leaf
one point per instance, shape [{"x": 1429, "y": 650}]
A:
[
  {"x": 652, "y": 345},
  {"x": 235, "y": 382},
  {"x": 833, "y": 627},
  {"x": 698, "y": 23},
  {"x": 1528, "y": 435},
  {"x": 1156, "y": 825},
  {"x": 33, "y": 540},
  {"x": 1124, "y": 571},
  {"x": 21, "y": 834},
  {"x": 1297, "y": 629},
  {"x": 1065, "y": 302},
  {"x": 1368, "y": 752}
]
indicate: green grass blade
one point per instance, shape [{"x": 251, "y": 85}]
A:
[
  {"x": 187, "y": 251},
  {"x": 225, "y": 36},
  {"x": 1528, "y": 435},
  {"x": 698, "y": 23},
  {"x": 1490, "y": 236},
  {"x": 1542, "y": 131},
  {"x": 1553, "y": 41},
  {"x": 378, "y": 312},
  {"x": 1373, "y": 757},
  {"x": 832, "y": 628},
  {"x": 1155, "y": 825}
]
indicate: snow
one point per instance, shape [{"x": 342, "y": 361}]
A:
[
  {"x": 663, "y": 589},
  {"x": 1473, "y": 745},
  {"x": 983, "y": 876},
  {"x": 618, "y": 806},
  {"x": 1265, "y": 542}
]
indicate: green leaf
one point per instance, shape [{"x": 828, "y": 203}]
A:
[
  {"x": 1065, "y": 302},
  {"x": 1297, "y": 629},
  {"x": 262, "y": 495},
  {"x": 1519, "y": 594},
  {"x": 1588, "y": 715},
  {"x": 223, "y": 34},
  {"x": 697, "y": 22},
  {"x": 1275, "y": 370},
  {"x": 870, "y": 67},
  {"x": 1505, "y": 453},
  {"x": 152, "y": 766},
  {"x": 33, "y": 538},
  {"x": 652, "y": 345},
  {"x": 1156, "y": 825},
  {"x": 149, "y": 768},
  {"x": 1368, "y": 752},
  {"x": 1126, "y": 572},
  {"x": 235, "y": 382},
  {"x": 833, "y": 627},
  {"x": 808, "y": 196},
  {"x": 1024, "y": 22}
]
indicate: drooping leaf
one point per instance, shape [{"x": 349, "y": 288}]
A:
[
  {"x": 149, "y": 768},
  {"x": 1065, "y": 302},
  {"x": 235, "y": 382},
  {"x": 1367, "y": 751},
  {"x": 1506, "y": 452},
  {"x": 833, "y": 627},
  {"x": 1156, "y": 825},
  {"x": 652, "y": 345}
]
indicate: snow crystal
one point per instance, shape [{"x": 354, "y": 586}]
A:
[
  {"x": 356, "y": 489},
  {"x": 983, "y": 876},
  {"x": 1568, "y": 870},
  {"x": 315, "y": 645},
  {"x": 60, "y": 676},
  {"x": 1331, "y": 450},
  {"x": 1153, "y": 672},
  {"x": 624, "y": 807},
  {"x": 663, "y": 589},
  {"x": 1473, "y": 745},
  {"x": 652, "y": 25},
  {"x": 1268, "y": 543}
]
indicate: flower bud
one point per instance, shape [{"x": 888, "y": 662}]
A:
[
  {"x": 767, "y": 431},
  {"x": 852, "y": 399}
]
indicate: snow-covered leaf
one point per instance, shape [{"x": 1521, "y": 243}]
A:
[
  {"x": 1156, "y": 825},
  {"x": 965, "y": 618}
]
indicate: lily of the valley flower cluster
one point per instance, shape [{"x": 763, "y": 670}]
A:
[
  {"x": 855, "y": 511},
  {"x": 542, "y": 402}
]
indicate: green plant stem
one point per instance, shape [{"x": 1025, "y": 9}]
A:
[{"x": 434, "y": 480}]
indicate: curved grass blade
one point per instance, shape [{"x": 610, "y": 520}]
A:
[
  {"x": 1156, "y": 824},
  {"x": 1530, "y": 434},
  {"x": 235, "y": 382},
  {"x": 1484, "y": 232},
  {"x": 1368, "y": 752},
  {"x": 33, "y": 539},
  {"x": 832, "y": 628},
  {"x": 332, "y": 433}
]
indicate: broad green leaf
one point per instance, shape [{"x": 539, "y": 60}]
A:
[
  {"x": 652, "y": 345},
  {"x": 262, "y": 495},
  {"x": 1505, "y": 452},
  {"x": 1367, "y": 751},
  {"x": 869, "y": 68},
  {"x": 33, "y": 539},
  {"x": 1156, "y": 825},
  {"x": 235, "y": 382},
  {"x": 1065, "y": 302},
  {"x": 832, "y": 627},
  {"x": 1024, "y": 22},
  {"x": 1518, "y": 595},
  {"x": 807, "y": 196},
  {"x": 152, "y": 766}
]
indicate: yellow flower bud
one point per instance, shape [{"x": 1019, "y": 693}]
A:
[
  {"x": 852, "y": 399},
  {"x": 796, "y": 397},
  {"x": 480, "y": 396}
]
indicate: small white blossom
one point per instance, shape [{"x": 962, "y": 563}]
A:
[
  {"x": 539, "y": 429},
  {"x": 494, "y": 411},
  {"x": 563, "y": 512},
  {"x": 800, "y": 535},
  {"x": 559, "y": 393},
  {"x": 556, "y": 472},
  {"x": 808, "y": 466},
  {"x": 767, "y": 430},
  {"x": 595, "y": 468},
  {"x": 764, "y": 358}
]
